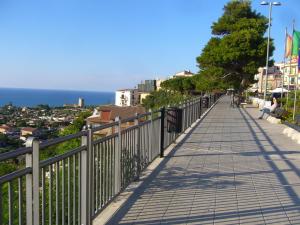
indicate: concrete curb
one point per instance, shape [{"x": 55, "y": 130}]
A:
[{"x": 292, "y": 133}]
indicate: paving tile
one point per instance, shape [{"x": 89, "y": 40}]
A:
[{"x": 231, "y": 169}]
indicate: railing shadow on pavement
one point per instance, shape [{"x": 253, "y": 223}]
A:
[
  {"x": 285, "y": 184},
  {"x": 187, "y": 182},
  {"x": 163, "y": 185}
]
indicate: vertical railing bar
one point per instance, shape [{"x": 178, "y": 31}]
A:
[
  {"x": 50, "y": 195},
  {"x": 117, "y": 156},
  {"x": 79, "y": 187},
  {"x": 115, "y": 152},
  {"x": 10, "y": 203},
  {"x": 1, "y": 206},
  {"x": 162, "y": 132},
  {"x": 128, "y": 169},
  {"x": 36, "y": 181},
  {"x": 152, "y": 136},
  {"x": 95, "y": 147},
  {"x": 111, "y": 166},
  {"x": 57, "y": 212},
  {"x": 91, "y": 194},
  {"x": 43, "y": 196},
  {"x": 123, "y": 158},
  {"x": 29, "y": 220},
  {"x": 138, "y": 146},
  {"x": 101, "y": 174},
  {"x": 69, "y": 191},
  {"x": 106, "y": 172},
  {"x": 131, "y": 151},
  {"x": 20, "y": 201},
  {"x": 74, "y": 189}
]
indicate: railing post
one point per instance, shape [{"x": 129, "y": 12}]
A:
[
  {"x": 151, "y": 136},
  {"x": 29, "y": 191},
  {"x": 91, "y": 194},
  {"x": 200, "y": 107},
  {"x": 36, "y": 180},
  {"x": 162, "y": 131},
  {"x": 138, "y": 147},
  {"x": 84, "y": 178},
  {"x": 118, "y": 156},
  {"x": 194, "y": 110}
]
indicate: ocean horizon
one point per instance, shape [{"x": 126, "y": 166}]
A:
[{"x": 27, "y": 97}]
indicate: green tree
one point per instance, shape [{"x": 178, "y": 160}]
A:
[
  {"x": 73, "y": 128},
  {"x": 183, "y": 85},
  {"x": 162, "y": 98},
  {"x": 238, "y": 46}
]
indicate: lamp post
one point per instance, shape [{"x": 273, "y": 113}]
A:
[{"x": 270, "y": 4}]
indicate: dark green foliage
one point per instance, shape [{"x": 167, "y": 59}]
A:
[
  {"x": 73, "y": 128},
  {"x": 183, "y": 85},
  {"x": 238, "y": 46},
  {"x": 161, "y": 98}
]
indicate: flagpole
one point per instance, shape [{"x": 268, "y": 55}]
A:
[
  {"x": 290, "y": 63},
  {"x": 295, "y": 96},
  {"x": 284, "y": 55},
  {"x": 296, "y": 85}
]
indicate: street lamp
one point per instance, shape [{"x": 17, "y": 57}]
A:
[{"x": 270, "y": 4}]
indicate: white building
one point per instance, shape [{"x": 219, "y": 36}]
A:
[
  {"x": 185, "y": 73},
  {"x": 127, "y": 97},
  {"x": 158, "y": 83},
  {"x": 291, "y": 74},
  {"x": 81, "y": 102}
]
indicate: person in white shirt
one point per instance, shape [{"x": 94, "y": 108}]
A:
[{"x": 269, "y": 109}]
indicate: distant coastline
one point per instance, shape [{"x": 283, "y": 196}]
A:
[{"x": 25, "y": 97}]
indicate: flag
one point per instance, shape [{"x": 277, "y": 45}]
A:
[
  {"x": 288, "y": 46},
  {"x": 299, "y": 60},
  {"x": 296, "y": 42}
]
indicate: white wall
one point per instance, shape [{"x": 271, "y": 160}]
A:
[{"x": 123, "y": 98}]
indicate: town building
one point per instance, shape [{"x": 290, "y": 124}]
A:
[
  {"x": 274, "y": 79},
  {"x": 81, "y": 102},
  {"x": 291, "y": 74},
  {"x": 4, "y": 129},
  {"x": 158, "y": 83},
  {"x": 184, "y": 73},
  {"x": 107, "y": 114},
  {"x": 147, "y": 86},
  {"x": 29, "y": 131},
  {"x": 281, "y": 73},
  {"x": 127, "y": 97}
]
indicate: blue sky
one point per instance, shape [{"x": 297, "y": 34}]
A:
[{"x": 104, "y": 45}]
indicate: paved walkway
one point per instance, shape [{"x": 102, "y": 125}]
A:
[{"x": 231, "y": 169}]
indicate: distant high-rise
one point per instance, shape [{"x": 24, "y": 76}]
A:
[
  {"x": 81, "y": 102},
  {"x": 147, "y": 86}
]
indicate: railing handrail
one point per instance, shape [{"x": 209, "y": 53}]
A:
[{"x": 15, "y": 153}]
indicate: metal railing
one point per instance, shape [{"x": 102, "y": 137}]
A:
[{"x": 75, "y": 186}]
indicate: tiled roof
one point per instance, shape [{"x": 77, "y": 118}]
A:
[
  {"x": 114, "y": 111},
  {"x": 30, "y": 129}
]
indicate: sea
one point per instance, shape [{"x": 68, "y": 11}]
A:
[{"x": 54, "y": 98}]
